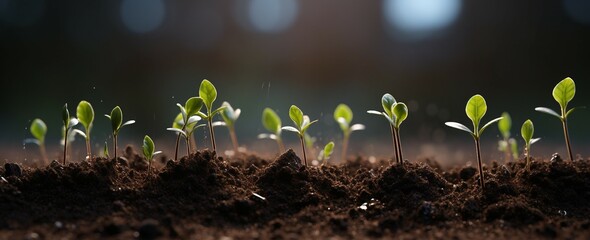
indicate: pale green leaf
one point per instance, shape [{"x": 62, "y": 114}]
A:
[
  {"x": 527, "y": 130},
  {"x": 208, "y": 93},
  {"x": 357, "y": 127},
  {"x": 306, "y": 126},
  {"x": 116, "y": 119},
  {"x": 548, "y": 111},
  {"x": 573, "y": 110},
  {"x": 291, "y": 129},
  {"x": 38, "y": 130},
  {"x": 487, "y": 125},
  {"x": 387, "y": 101},
  {"x": 148, "y": 147},
  {"x": 178, "y": 122},
  {"x": 328, "y": 149},
  {"x": 459, "y": 126},
  {"x": 65, "y": 115},
  {"x": 271, "y": 121},
  {"x": 475, "y": 109},
  {"x": 400, "y": 111},
  {"x": 193, "y": 105},
  {"x": 296, "y": 115},
  {"x": 344, "y": 112},
  {"x": 504, "y": 125},
  {"x": 85, "y": 114},
  {"x": 564, "y": 92},
  {"x": 176, "y": 130}
]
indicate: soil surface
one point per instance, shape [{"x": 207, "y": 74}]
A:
[{"x": 209, "y": 197}]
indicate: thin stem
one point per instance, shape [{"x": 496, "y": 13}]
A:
[
  {"x": 303, "y": 147},
  {"x": 481, "y": 176},
  {"x": 193, "y": 143},
  {"x": 281, "y": 145},
  {"x": 65, "y": 145},
  {"x": 115, "y": 145},
  {"x": 507, "y": 154},
  {"x": 176, "y": 147},
  {"x": 88, "y": 148},
  {"x": 399, "y": 147},
  {"x": 212, "y": 134},
  {"x": 234, "y": 139},
  {"x": 188, "y": 146},
  {"x": 394, "y": 142},
  {"x": 527, "y": 156},
  {"x": 567, "y": 139},
  {"x": 344, "y": 146},
  {"x": 149, "y": 167},
  {"x": 43, "y": 153}
]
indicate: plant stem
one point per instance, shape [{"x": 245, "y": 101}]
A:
[
  {"x": 115, "y": 145},
  {"x": 176, "y": 147},
  {"x": 65, "y": 145},
  {"x": 281, "y": 145},
  {"x": 188, "y": 146},
  {"x": 303, "y": 147},
  {"x": 345, "y": 146},
  {"x": 507, "y": 154},
  {"x": 234, "y": 139},
  {"x": 527, "y": 156},
  {"x": 567, "y": 139},
  {"x": 481, "y": 177},
  {"x": 88, "y": 148},
  {"x": 394, "y": 142},
  {"x": 399, "y": 147},
  {"x": 212, "y": 133},
  {"x": 43, "y": 153},
  {"x": 193, "y": 143}
]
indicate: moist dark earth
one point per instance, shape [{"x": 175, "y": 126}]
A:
[{"x": 209, "y": 197}]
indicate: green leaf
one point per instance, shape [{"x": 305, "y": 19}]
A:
[
  {"x": 148, "y": 147},
  {"x": 38, "y": 130},
  {"x": 291, "y": 129},
  {"x": 271, "y": 121},
  {"x": 548, "y": 111},
  {"x": 193, "y": 105},
  {"x": 85, "y": 114},
  {"x": 564, "y": 92},
  {"x": 219, "y": 110},
  {"x": 475, "y": 109},
  {"x": 343, "y": 111},
  {"x": 65, "y": 115},
  {"x": 459, "y": 126},
  {"x": 328, "y": 149},
  {"x": 306, "y": 126},
  {"x": 178, "y": 121},
  {"x": 183, "y": 112},
  {"x": 208, "y": 93},
  {"x": 487, "y": 125},
  {"x": 534, "y": 140},
  {"x": 176, "y": 130},
  {"x": 105, "y": 150},
  {"x": 387, "y": 102},
  {"x": 128, "y": 123},
  {"x": 527, "y": 130},
  {"x": 573, "y": 110},
  {"x": 296, "y": 116},
  {"x": 504, "y": 125},
  {"x": 400, "y": 111},
  {"x": 116, "y": 119}
]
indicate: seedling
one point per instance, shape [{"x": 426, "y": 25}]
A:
[
  {"x": 343, "y": 115},
  {"x": 116, "y": 118},
  {"x": 149, "y": 151},
  {"x": 302, "y": 123},
  {"x": 187, "y": 112},
  {"x": 85, "y": 115},
  {"x": 400, "y": 112},
  {"x": 69, "y": 123},
  {"x": 563, "y": 93},
  {"x": 507, "y": 144},
  {"x": 39, "y": 130},
  {"x": 230, "y": 116},
  {"x": 527, "y": 130},
  {"x": 476, "y": 108},
  {"x": 387, "y": 102},
  {"x": 325, "y": 154},
  {"x": 272, "y": 122},
  {"x": 105, "y": 150},
  {"x": 208, "y": 93}
]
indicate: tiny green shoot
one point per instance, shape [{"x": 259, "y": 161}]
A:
[
  {"x": 325, "y": 154},
  {"x": 400, "y": 112},
  {"x": 343, "y": 116},
  {"x": 475, "y": 109},
  {"x": 116, "y": 118},
  {"x": 85, "y": 114},
  {"x": 387, "y": 102},
  {"x": 149, "y": 151},
  {"x": 105, "y": 150},
  {"x": 527, "y": 130},
  {"x": 187, "y": 118},
  {"x": 507, "y": 144},
  {"x": 272, "y": 122},
  {"x": 302, "y": 123},
  {"x": 230, "y": 116},
  {"x": 208, "y": 93},
  {"x": 39, "y": 130},
  {"x": 563, "y": 93},
  {"x": 69, "y": 123}
]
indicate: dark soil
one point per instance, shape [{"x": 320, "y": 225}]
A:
[{"x": 208, "y": 197}]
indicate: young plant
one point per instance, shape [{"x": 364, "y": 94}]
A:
[
  {"x": 116, "y": 118},
  {"x": 302, "y": 123},
  {"x": 188, "y": 117},
  {"x": 387, "y": 102},
  {"x": 563, "y": 93},
  {"x": 400, "y": 112},
  {"x": 272, "y": 122},
  {"x": 85, "y": 114},
  {"x": 527, "y": 130},
  {"x": 325, "y": 154},
  {"x": 105, "y": 150},
  {"x": 507, "y": 144},
  {"x": 476, "y": 108},
  {"x": 208, "y": 93},
  {"x": 39, "y": 130},
  {"x": 69, "y": 123},
  {"x": 343, "y": 115},
  {"x": 149, "y": 151},
  {"x": 230, "y": 116}
]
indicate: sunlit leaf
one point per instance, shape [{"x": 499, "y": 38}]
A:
[
  {"x": 290, "y": 129},
  {"x": 475, "y": 109},
  {"x": 564, "y": 92},
  {"x": 271, "y": 121},
  {"x": 487, "y": 125},
  {"x": 548, "y": 111},
  {"x": 459, "y": 126},
  {"x": 400, "y": 111},
  {"x": 296, "y": 115},
  {"x": 387, "y": 102},
  {"x": 527, "y": 130},
  {"x": 193, "y": 105},
  {"x": 344, "y": 112},
  {"x": 39, "y": 130},
  {"x": 504, "y": 125},
  {"x": 208, "y": 93},
  {"x": 148, "y": 147}
]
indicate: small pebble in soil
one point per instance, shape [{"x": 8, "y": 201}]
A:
[
  {"x": 32, "y": 236},
  {"x": 467, "y": 173},
  {"x": 555, "y": 158},
  {"x": 58, "y": 224},
  {"x": 12, "y": 169},
  {"x": 363, "y": 206},
  {"x": 563, "y": 213},
  {"x": 149, "y": 229}
]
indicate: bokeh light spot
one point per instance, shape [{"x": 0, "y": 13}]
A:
[
  {"x": 142, "y": 16},
  {"x": 421, "y": 15},
  {"x": 578, "y": 10},
  {"x": 269, "y": 16}
]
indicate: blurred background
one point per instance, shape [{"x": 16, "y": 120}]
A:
[{"x": 147, "y": 55}]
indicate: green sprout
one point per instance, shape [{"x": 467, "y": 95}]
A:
[
  {"x": 85, "y": 115},
  {"x": 116, "y": 118},
  {"x": 105, "y": 150},
  {"x": 149, "y": 151},
  {"x": 188, "y": 120},
  {"x": 527, "y": 130},
  {"x": 302, "y": 123},
  {"x": 325, "y": 154},
  {"x": 39, "y": 130},
  {"x": 272, "y": 122},
  {"x": 230, "y": 116},
  {"x": 507, "y": 144},
  {"x": 69, "y": 123},
  {"x": 343, "y": 115},
  {"x": 475, "y": 109},
  {"x": 387, "y": 102},
  {"x": 400, "y": 112},
  {"x": 208, "y": 93},
  {"x": 563, "y": 93}
]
